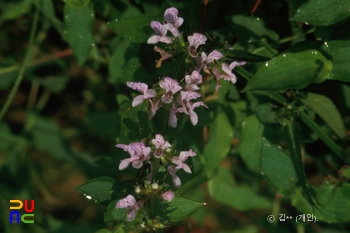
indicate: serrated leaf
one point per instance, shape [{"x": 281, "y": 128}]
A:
[
  {"x": 339, "y": 50},
  {"x": 251, "y": 142},
  {"x": 220, "y": 136},
  {"x": 122, "y": 66},
  {"x": 134, "y": 28},
  {"x": 326, "y": 109},
  {"x": 322, "y": 12},
  {"x": 99, "y": 189},
  {"x": 177, "y": 210},
  {"x": 135, "y": 124},
  {"x": 239, "y": 197},
  {"x": 277, "y": 168},
  {"x": 113, "y": 213},
  {"x": 334, "y": 203},
  {"x": 286, "y": 71},
  {"x": 78, "y": 23}
]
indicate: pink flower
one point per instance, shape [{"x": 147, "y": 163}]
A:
[
  {"x": 138, "y": 153},
  {"x": 194, "y": 41},
  {"x": 173, "y": 21},
  {"x": 171, "y": 86},
  {"x": 153, "y": 108},
  {"x": 160, "y": 34},
  {"x": 192, "y": 81},
  {"x": 228, "y": 75},
  {"x": 214, "y": 55},
  {"x": 172, "y": 117},
  {"x": 129, "y": 203},
  {"x": 180, "y": 161},
  {"x": 188, "y": 107},
  {"x": 143, "y": 88},
  {"x": 170, "y": 16},
  {"x": 176, "y": 180},
  {"x": 160, "y": 144},
  {"x": 168, "y": 196}
]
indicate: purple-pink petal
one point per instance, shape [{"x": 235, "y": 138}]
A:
[
  {"x": 172, "y": 117},
  {"x": 124, "y": 164},
  {"x": 168, "y": 196}
]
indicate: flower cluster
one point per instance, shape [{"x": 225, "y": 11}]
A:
[
  {"x": 157, "y": 154},
  {"x": 181, "y": 95},
  {"x": 170, "y": 92}
]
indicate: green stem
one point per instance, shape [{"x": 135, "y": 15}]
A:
[
  {"x": 23, "y": 67},
  {"x": 276, "y": 206},
  {"x": 244, "y": 73},
  {"x": 324, "y": 137}
]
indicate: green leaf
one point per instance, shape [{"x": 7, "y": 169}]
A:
[
  {"x": 78, "y": 23},
  {"x": 113, "y": 213},
  {"x": 55, "y": 84},
  {"x": 239, "y": 197},
  {"x": 104, "y": 231},
  {"x": 265, "y": 114},
  {"x": 339, "y": 50},
  {"x": 135, "y": 124},
  {"x": 177, "y": 210},
  {"x": 124, "y": 62},
  {"x": 249, "y": 27},
  {"x": 345, "y": 172},
  {"x": 47, "y": 137},
  {"x": 99, "y": 189},
  {"x": 77, "y": 3},
  {"x": 277, "y": 168},
  {"x": 48, "y": 10},
  {"x": 251, "y": 142},
  {"x": 334, "y": 203},
  {"x": 220, "y": 136},
  {"x": 286, "y": 71},
  {"x": 326, "y": 109},
  {"x": 134, "y": 28},
  {"x": 14, "y": 10},
  {"x": 322, "y": 12}
]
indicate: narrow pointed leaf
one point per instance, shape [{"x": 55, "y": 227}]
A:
[
  {"x": 277, "y": 168},
  {"x": 220, "y": 136},
  {"x": 250, "y": 147},
  {"x": 326, "y": 109}
]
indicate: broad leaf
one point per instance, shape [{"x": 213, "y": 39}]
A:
[
  {"x": 220, "y": 136},
  {"x": 135, "y": 124},
  {"x": 334, "y": 203},
  {"x": 242, "y": 198},
  {"x": 326, "y": 109},
  {"x": 135, "y": 28},
  {"x": 99, "y": 189},
  {"x": 251, "y": 142},
  {"x": 285, "y": 71},
  {"x": 339, "y": 50},
  {"x": 322, "y": 12},
  {"x": 54, "y": 84},
  {"x": 177, "y": 210},
  {"x": 113, "y": 213},
  {"x": 277, "y": 168},
  {"x": 78, "y": 23},
  {"x": 77, "y": 3}
]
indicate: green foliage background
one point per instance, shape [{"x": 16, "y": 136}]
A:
[{"x": 276, "y": 142}]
